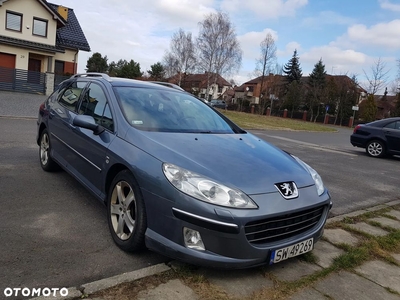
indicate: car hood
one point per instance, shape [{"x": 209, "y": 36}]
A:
[{"x": 236, "y": 160}]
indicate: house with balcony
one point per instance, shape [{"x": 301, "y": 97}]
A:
[
  {"x": 197, "y": 84},
  {"x": 38, "y": 39}
]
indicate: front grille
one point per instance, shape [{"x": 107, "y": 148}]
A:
[{"x": 282, "y": 227}]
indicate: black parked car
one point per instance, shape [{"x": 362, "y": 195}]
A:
[{"x": 379, "y": 138}]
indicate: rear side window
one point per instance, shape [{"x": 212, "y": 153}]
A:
[
  {"x": 393, "y": 125},
  {"x": 69, "y": 95}
]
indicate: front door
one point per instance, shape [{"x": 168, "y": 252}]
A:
[{"x": 34, "y": 68}]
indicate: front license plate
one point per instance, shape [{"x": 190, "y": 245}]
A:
[{"x": 291, "y": 251}]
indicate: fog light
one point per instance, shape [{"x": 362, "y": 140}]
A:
[{"x": 193, "y": 239}]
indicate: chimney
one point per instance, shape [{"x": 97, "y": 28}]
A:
[{"x": 63, "y": 11}]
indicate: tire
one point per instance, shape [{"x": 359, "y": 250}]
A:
[
  {"x": 46, "y": 162},
  {"x": 376, "y": 148},
  {"x": 126, "y": 213}
]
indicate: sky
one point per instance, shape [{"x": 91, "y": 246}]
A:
[{"x": 348, "y": 35}]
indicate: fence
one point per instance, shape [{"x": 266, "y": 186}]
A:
[{"x": 22, "y": 81}]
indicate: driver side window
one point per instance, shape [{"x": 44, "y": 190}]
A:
[{"x": 94, "y": 103}]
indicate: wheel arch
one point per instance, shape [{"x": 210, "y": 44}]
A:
[
  {"x": 112, "y": 172},
  {"x": 375, "y": 138},
  {"x": 41, "y": 128}
]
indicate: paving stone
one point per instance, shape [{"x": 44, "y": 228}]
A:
[
  {"x": 340, "y": 236},
  {"x": 396, "y": 257},
  {"x": 308, "y": 294},
  {"x": 293, "y": 269},
  {"x": 387, "y": 222},
  {"x": 172, "y": 290},
  {"x": 394, "y": 213},
  {"x": 326, "y": 252},
  {"x": 393, "y": 203},
  {"x": 385, "y": 274},
  {"x": 372, "y": 230},
  {"x": 349, "y": 286},
  {"x": 238, "y": 283},
  {"x": 349, "y": 215}
]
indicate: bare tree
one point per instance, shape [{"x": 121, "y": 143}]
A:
[
  {"x": 219, "y": 51},
  {"x": 378, "y": 77},
  {"x": 181, "y": 57},
  {"x": 265, "y": 64}
]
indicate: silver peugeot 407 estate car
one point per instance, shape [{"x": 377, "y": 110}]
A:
[{"x": 178, "y": 177}]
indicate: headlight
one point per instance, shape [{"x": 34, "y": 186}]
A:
[
  {"x": 317, "y": 179},
  {"x": 205, "y": 189}
]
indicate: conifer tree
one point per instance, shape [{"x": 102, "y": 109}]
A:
[
  {"x": 396, "y": 112},
  {"x": 317, "y": 84},
  {"x": 292, "y": 69},
  {"x": 368, "y": 113}
]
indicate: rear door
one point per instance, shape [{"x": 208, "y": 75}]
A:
[
  {"x": 63, "y": 110},
  {"x": 392, "y": 134}
]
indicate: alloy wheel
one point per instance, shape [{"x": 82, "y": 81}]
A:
[
  {"x": 375, "y": 149},
  {"x": 44, "y": 149},
  {"x": 123, "y": 210}
]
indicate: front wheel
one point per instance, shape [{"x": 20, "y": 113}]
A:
[
  {"x": 46, "y": 162},
  {"x": 126, "y": 213},
  {"x": 375, "y": 148}
]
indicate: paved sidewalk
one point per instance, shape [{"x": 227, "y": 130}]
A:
[
  {"x": 316, "y": 277},
  {"x": 21, "y": 105}
]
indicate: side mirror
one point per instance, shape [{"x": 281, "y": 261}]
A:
[{"x": 88, "y": 122}]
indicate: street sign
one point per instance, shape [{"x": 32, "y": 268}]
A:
[{"x": 355, "y": 108}]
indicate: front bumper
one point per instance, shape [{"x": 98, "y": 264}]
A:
[{"x": 224, "y": 232}]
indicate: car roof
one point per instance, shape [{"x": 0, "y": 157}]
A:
[
  {"x": 118, "y": 81},
  {"x": 383, "y": 122}
]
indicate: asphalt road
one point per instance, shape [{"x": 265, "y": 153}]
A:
[{"x": 55, "y": 234}]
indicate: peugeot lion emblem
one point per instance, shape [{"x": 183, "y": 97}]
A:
[{"x": 288, "y": 190}]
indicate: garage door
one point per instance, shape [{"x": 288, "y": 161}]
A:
[
  {"x": 7, "y": 60},
  {"x": 7, "y": 65}
]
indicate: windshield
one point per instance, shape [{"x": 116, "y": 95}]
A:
[{"x": 169, "y": 110}]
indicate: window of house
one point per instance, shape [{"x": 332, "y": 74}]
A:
[
  {"x": 14, "y": 21},
  {"x": 39, "y": 27}
]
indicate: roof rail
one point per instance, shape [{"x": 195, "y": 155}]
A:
[{"x": 92, "y": 74}]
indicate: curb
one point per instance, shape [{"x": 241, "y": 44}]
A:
[{"x": 102, "y": 284}]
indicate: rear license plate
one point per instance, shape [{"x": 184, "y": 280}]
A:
[{"x": 291, "y": 251}]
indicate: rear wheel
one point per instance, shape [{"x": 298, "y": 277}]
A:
[
  {"x": 46, "y": 162},
  {"x": 126, "y": 213},
  {"x": 376, "y": 148}
]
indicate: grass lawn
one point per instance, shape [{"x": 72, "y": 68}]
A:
[{"x": 254, "y": 121}]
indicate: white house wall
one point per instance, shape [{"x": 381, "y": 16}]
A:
[
  {"x": 69, "y": 56},
  {"x": 22, "y": 57},
  {"x": 29, "y": 9}
]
